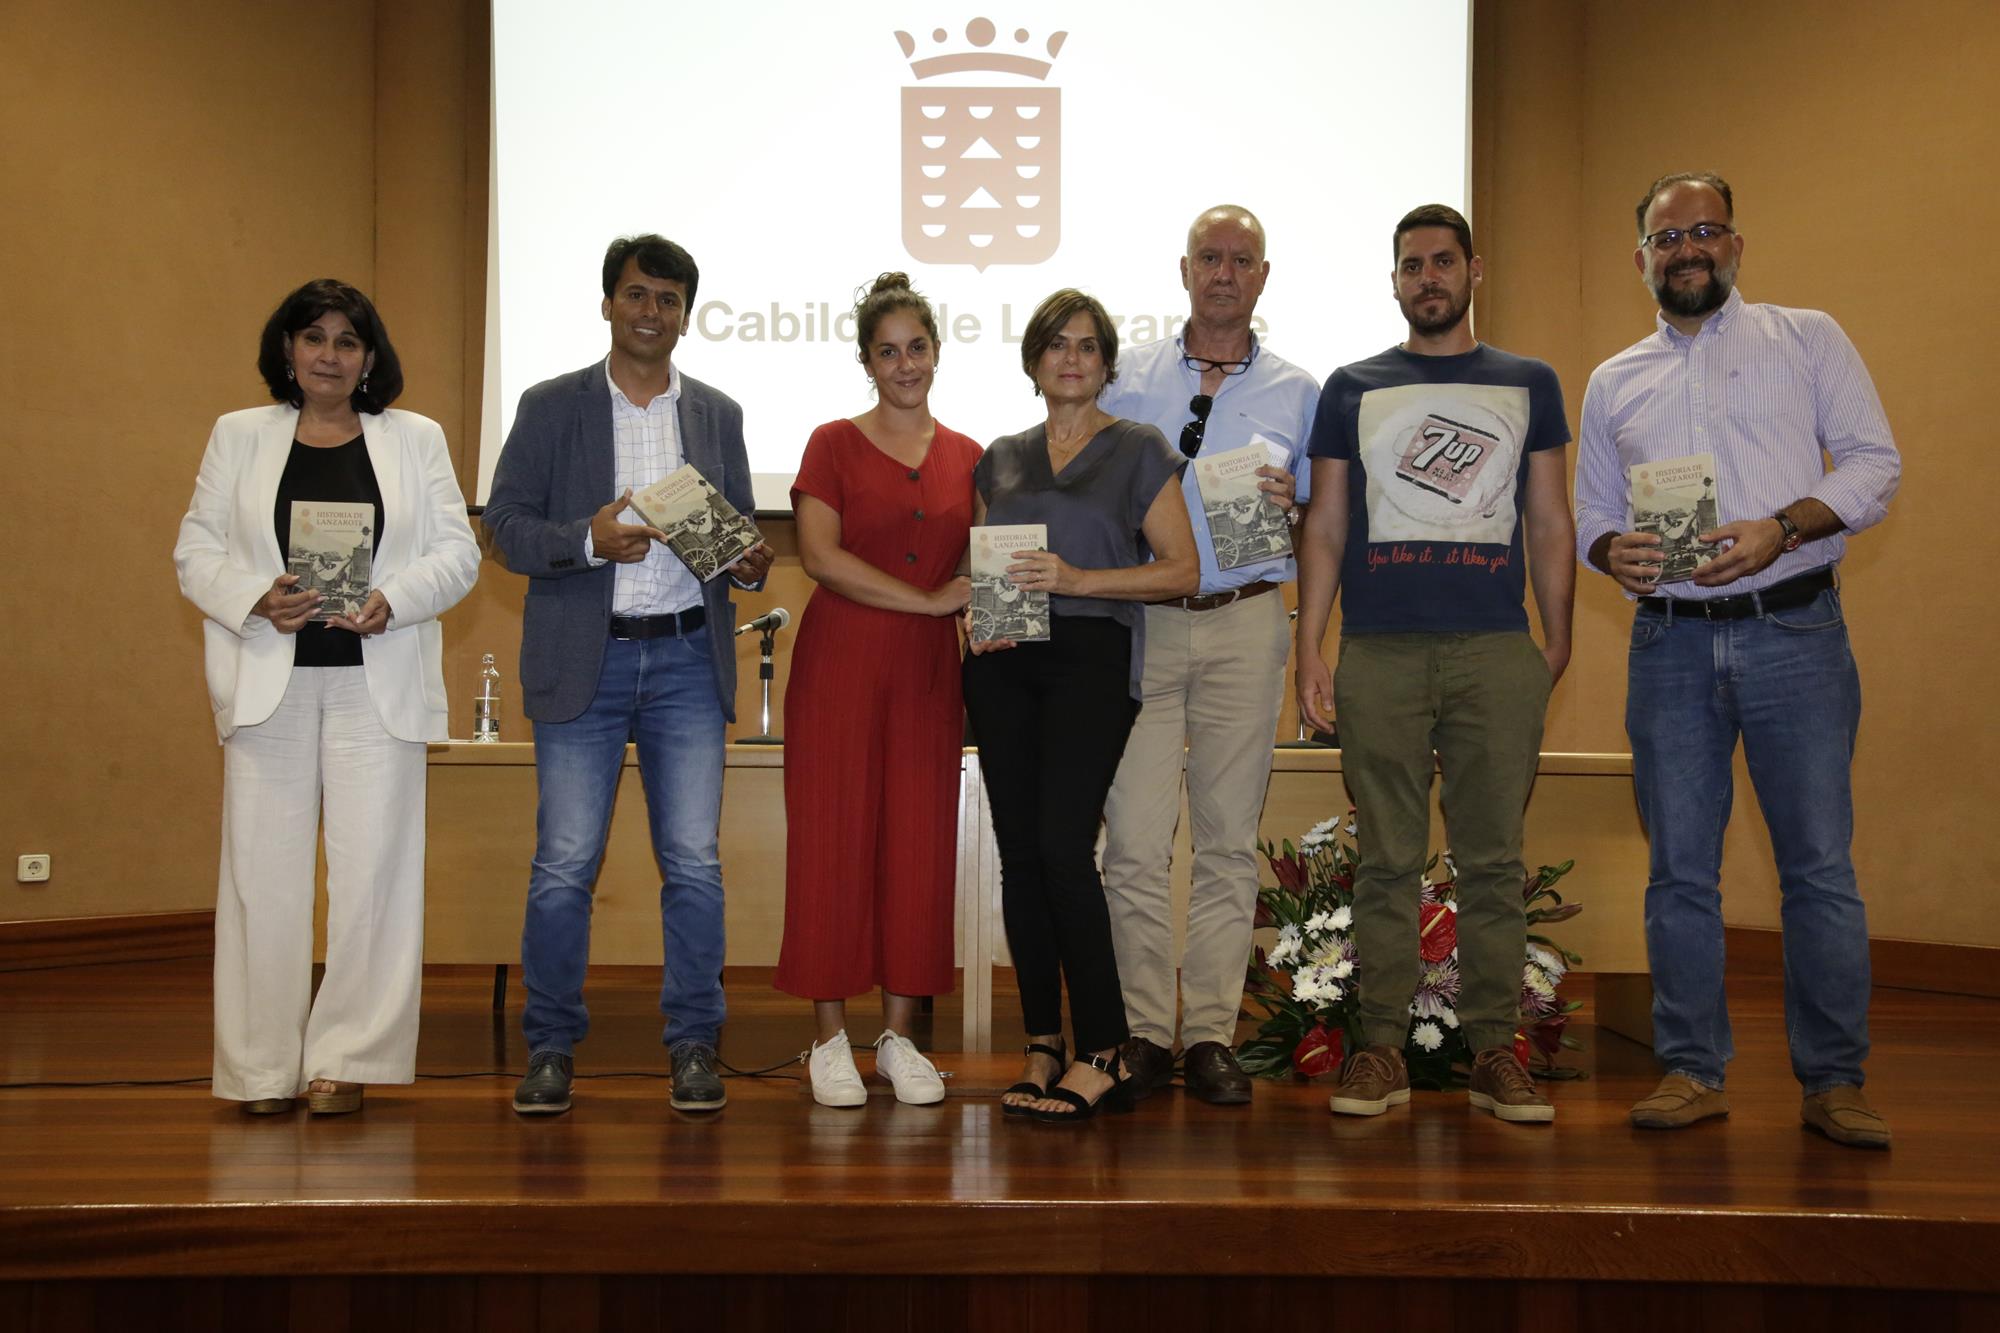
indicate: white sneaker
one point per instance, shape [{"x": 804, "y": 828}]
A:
[
  {"x": 835, "y": 1080},
  {"x": 915, "y": 1078}
]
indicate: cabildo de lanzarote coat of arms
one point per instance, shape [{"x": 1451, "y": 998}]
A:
[{"x": 982, "y": 178}]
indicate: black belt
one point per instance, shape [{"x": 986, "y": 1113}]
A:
[
  {"x": 1212, "y": 601},
  {"x": 1778, "y": 597},
  {"x": 659, "y": 627}
]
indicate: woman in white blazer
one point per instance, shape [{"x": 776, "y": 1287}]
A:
[{"x": 322, "y": 719}]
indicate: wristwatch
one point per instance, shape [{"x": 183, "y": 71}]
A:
[{"x": 1791, "y": 537}]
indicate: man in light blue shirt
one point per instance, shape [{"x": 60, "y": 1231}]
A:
[
  {"x": 1214, "y": 671},
  {"x": 1753, "y": 644}
]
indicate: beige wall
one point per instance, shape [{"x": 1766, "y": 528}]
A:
[
  {"x": 170, "y": 172},
  {"x": 181, "y": 168}
]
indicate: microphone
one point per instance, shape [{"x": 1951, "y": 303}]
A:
[{"x": 769, "y": 623}]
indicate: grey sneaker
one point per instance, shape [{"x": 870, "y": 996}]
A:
[
  {"x": 1374, "y": 1079},
  {"x": 545, "y": 1091},
  {"x": 1501, "y": 1086},
  {"x": 697, "y": 1087}
]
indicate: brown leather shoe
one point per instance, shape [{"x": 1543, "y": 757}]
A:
[
  {"x": 1678, "y": 1102},
  {"x": 1148, "y": 1068},
  {"x": 1210, "y": 1072},
  {"x": 1374, "y": 1079},
  {"x": 1500, "y": 1085},
  {"x": 1844, "y": 1115}
]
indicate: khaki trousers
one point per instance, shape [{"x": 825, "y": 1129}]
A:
[
  {"x": 1477, "y": 702},
  {"x": 1213, "y": 684}
]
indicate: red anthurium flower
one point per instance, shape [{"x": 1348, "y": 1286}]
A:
[
  {"x": 1548, "y": 1034},
  {"x": 1319, "y": 1052},
  {"x": 1437, "y": 932},
  {"x": 1522, "y": 1051}
]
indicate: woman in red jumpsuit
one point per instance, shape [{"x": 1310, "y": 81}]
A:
[{"x": 873, "y": 715}]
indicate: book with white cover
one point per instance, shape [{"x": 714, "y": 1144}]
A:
[
  {"x": 1002, "y": 608},
  {"x": 1243, "y": 525},
  {"x": 1674, "y": 498},
  {"x": 702, "y": 528},
  {"x": 332, "y": 549}
]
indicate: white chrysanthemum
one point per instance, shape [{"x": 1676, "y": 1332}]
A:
[
  {"x": 1343, "y": 968},
  {"x": 1551, "y": 962},
  {"x": 1315, "y": 985},
  {"x": 1318, "y": 922},
  {"x": 1309, "y": 985},
  {"x": 1449, "y": 1018},
  {"x": 1319, "y": 835},
  {"x": 1341, "y": 918},
  {"x": 1287, "y": 947},
  {"x": 1427, "y": 1036},
  {"x": 1536, "y": 981}
]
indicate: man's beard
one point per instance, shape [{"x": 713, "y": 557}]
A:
[
  {"x": 1453, "y": 314},
  {"x": 1688, "y": 302}
]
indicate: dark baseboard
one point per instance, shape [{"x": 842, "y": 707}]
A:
[
  {"x": 77, "y": 941},
  {"x": 1945, "y": 969}
]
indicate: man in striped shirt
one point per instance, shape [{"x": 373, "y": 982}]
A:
[{"x": 1751, "y": 643}]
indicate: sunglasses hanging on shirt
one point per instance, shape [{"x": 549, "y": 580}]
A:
[{"x": 1192, "y": 432}]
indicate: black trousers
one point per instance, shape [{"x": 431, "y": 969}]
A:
[{"x": 1051, "y": 720}]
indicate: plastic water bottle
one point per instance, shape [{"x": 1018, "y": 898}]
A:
[{"x": 486, "y": 704}]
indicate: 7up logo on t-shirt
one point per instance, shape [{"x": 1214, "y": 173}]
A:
[{"x": 1444, "y": 457}]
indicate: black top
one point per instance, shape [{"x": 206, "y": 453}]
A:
[{"x": 341, "y": 474}]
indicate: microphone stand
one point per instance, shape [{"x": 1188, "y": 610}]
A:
[{"x": 766, "y": 673}]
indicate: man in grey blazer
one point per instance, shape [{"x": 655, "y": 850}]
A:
[{"x": 620, "y": 641}]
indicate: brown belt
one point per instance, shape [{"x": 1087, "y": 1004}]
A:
[{"x": 1210, "y": 601}]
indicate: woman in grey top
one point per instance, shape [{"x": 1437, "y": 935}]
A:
[{"x": 1051, "y": 717}]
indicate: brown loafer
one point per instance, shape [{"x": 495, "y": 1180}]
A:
[
  {"x": 1148, "y": 1067},
  {"x": 1210, "y": 1071},
  {"x": 267, "y": 1106},
  {"x": 1678, "y": 1102},
  {"x": 1844, "y": 1115}
]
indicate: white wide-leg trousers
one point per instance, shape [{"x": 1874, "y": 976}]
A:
[{"x": 323, "y": 753}]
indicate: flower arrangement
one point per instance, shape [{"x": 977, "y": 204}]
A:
[{"x": 1308, "y": 982}]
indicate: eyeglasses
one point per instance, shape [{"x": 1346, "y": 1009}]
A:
[
  {"x": 1204, "y": 365},
  {"x": 1702, "y": 233},
  {"x": 1192, "y": 432}
]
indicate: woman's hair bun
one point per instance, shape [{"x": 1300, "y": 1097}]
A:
[{"x": 889, "y": 282}]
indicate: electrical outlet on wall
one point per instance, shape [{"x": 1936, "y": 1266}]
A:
[{"x": 32, "y": 868}]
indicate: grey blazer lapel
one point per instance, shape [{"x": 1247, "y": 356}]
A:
[
  {"x": 698, "y": 442},
  {"x": 595, "y": 456}
]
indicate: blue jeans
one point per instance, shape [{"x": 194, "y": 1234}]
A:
[
  {"x": 1786, "y": 682},
  {"x": 661, "y": 694}
]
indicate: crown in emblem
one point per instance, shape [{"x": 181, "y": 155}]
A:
[{"x": 980, "y": 35}]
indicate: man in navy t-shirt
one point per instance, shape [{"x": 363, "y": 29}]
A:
[{"x": 1449, "y": 457}]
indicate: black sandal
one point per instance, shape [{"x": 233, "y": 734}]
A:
[
  {"x": 1059, "y": 1053},
  {"x": 1117, "y": 1097}
]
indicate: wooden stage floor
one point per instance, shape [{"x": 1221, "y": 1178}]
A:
[{"x": 441, "y": 1181}]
